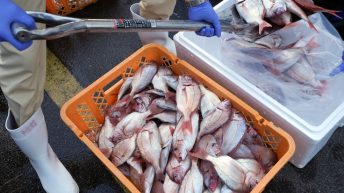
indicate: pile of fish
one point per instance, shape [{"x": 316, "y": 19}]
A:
[
  {"x": 278, "y": 12},
  {"x": 169, "y": 133}
]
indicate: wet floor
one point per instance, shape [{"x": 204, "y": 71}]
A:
[{"x": 87, "y": 57}]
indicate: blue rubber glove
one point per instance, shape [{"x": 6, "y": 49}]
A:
[
  {"x": 11, "y": 13},
  {"x": 338, "y": 69},
  {"x": 205, "y": 12}
]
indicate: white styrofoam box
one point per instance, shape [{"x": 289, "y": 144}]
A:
[{"x": 204, "y": 54}]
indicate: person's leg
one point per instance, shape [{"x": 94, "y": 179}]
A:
[
  {"x": 158, "y": 10},
  {"x": 22, "y": 78}
]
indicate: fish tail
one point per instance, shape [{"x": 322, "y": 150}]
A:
[
  {"x": 311, "y": 25},
  {"x": 187, "y": 126},
  {"x": 263, "y": 25},
  {"x": 315, "y": 8},
  {"x": 201, "y": 154}
]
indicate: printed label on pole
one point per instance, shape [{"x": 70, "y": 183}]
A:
[{"x": 131, "y": 23}]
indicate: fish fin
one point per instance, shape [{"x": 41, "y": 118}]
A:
[
  {"x": 125, "y": 101},
  {"x": 315, "y": 8},
  {"x": 187, "y": 126},
  {"x": 170, "y": 96},
  {"x": 201, "y": 154},
  {"x": 311, "y": 25},
  {"x": 263, "y": 25}
]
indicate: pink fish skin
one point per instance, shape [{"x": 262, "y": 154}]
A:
[
  {"x": 254, "y": 171},
  {"x": 149, "y": 143},
  {"x": 159, "y": 83},
  {"x": 141, "y": 79},
  {"x": 193, "y": 180},
  {"x": 171, "y": 81},
  {"x": 242, "y": 152},
  {"x": 265, "y": 156},
  {"x": 208, "y": 143},
  {"x": 133, "y": 123},
  {"x": 183, "y": 138},
  {"x": 166, "y": 132},
  {"x": 105, "y": 135},
  {"x": 123, "y": 150},
  {"x": 166, "y": 117},
  {"x": 229, "y": 170},
  {"x": 176, "y": 170},
  {"x": 294, "y": 8},
  {"x": 147, "y": 179},
  {"x": 125, "y": 87},
  {"x": 252, "y": 137},
  {"x": 209, "y": 101},
  {"x": 215, "y": 119},
  {"x": 170, "y": 186},
  {"x": 233, "y": 132},
  {"x": 188, "y": 97},
  {"x": 210, "y": 177}
]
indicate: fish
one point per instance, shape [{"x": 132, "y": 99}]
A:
[
  {"x": 283, "y": 19},
  {"x": 303, "y": 73},
  {"x": 254, "y": 171},
  {"x": 123, "y": 150},
  {"x": 171, "y": 81},
  {"x": 253, "y": 12},
  {"x": 210, "y": 177},
  {"x": 158, "y": 186},
  {"x": 193, "y": 180},
  {"x": 132, "y": 123},
  {"x": 226, "y": 189},
  {"x": 183, "y": 138},
  {"x": 218, "y": 135},
  {"x": 188, "y": 97},
  {"x": 295, "y": 9},
  {"x": 176, "y": 170},
  {"x": 105, "y": 135},
  {"x": 170, "y": 186},
  {"x": 233, "y": 132},
  {"x": 149, "y": 143},
  {"x": 135, "y": 178},
  {"x": 166, "y": 117},
  {"x": 309, "y": 5},
  {"x": 274, "y": 8},
  {"x": 125, "y": 87},
  {"x": 141, "y": 79},
  {"x": 136, "y": 163},
  {"x": 265, "y": 156},
  {"x": 229, "y": 170},
  {"x": 142, "y": 101},
  {"x": 242, "y": 152},
  {"x": 252, "y": 137},
  {"x": 215, "y": 119},
  {"x": 166, "y": 104},
  {"x": 208, "y": 143},
  {"x": 166, "y": 133},
  {"x": 125, "y": 169},
  {"x": 209, "y": 100},
  {"x": 147, "y": 179},
  {"x": 159, "y": 83}
]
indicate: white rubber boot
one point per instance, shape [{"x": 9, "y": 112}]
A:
[
  {"x": 32, "y": 139},
  {"x": 152, "y": 37}
]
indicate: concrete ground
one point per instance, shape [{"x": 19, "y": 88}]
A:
[{"x": 83, "y": 58}]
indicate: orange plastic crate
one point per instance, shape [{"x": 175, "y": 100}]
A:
[
  {"x": 85, "y": 111},
  {"x": 65, "y": 7}
]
